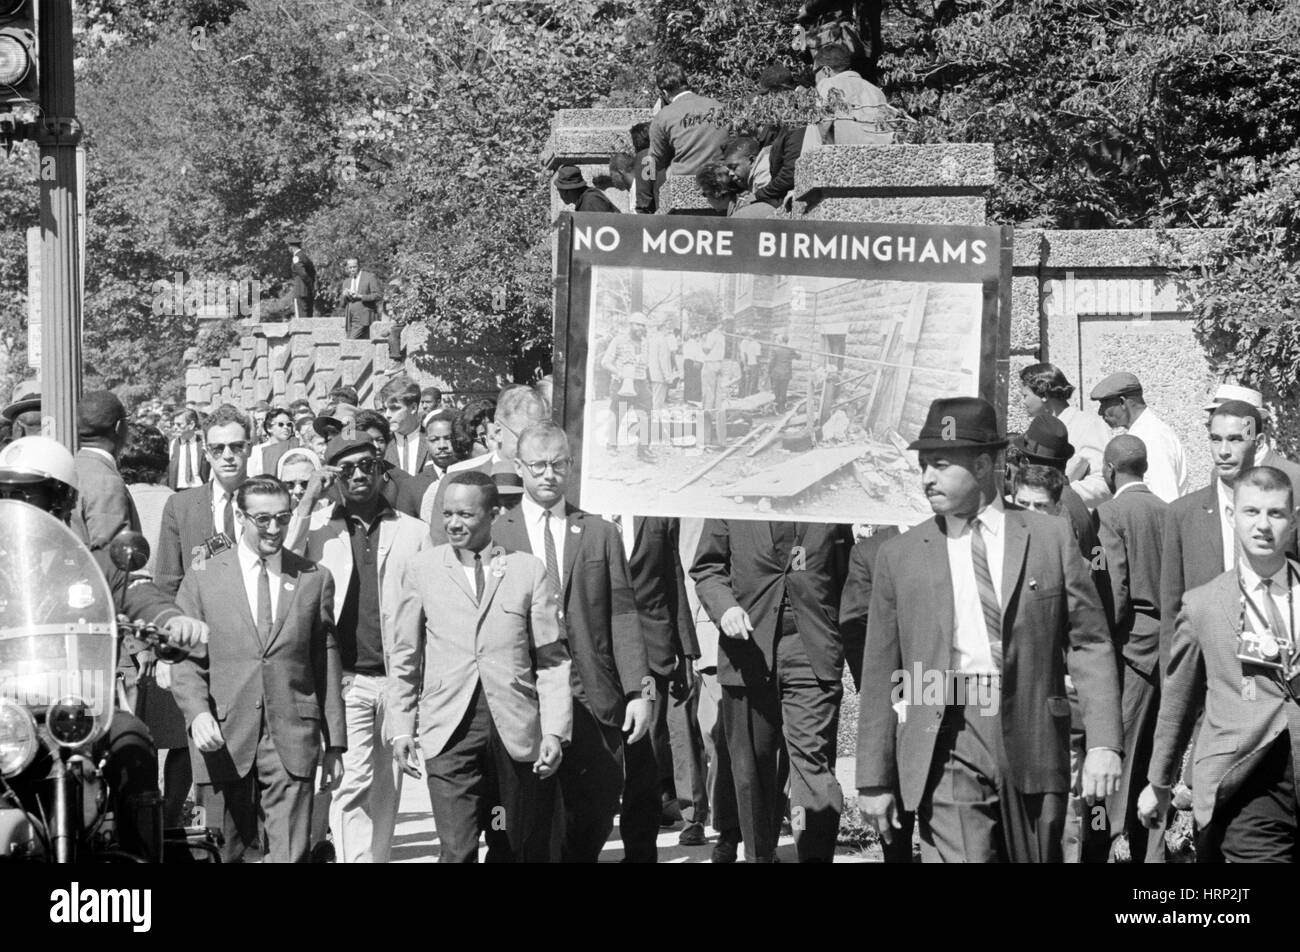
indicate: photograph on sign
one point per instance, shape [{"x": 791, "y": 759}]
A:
[{"x": 750, "y": 387}]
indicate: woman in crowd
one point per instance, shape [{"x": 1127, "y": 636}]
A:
[
  {"x": 470, "y": 436},
  {"x": 277, "y": 432}
]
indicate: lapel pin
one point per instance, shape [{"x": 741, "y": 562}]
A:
[
  {"x": 575, "y": 529},
  {"x": 1033, "y": 584},
  {"x": 288, "y": 586}
]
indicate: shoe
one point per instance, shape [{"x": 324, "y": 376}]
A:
[
  {"x": 693, "y": 835},
  {"x": 724, "y": 851},
  {"x": 322, "y": 852}
]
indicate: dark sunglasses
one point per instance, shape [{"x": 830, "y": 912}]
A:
[
  {"x": 238, "y": 448},
  {"x": 367, "y": 466},
  {"x": 263, "y": 520}
]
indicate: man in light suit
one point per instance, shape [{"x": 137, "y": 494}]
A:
[
  {"x": 265, "y": 694},
  {"x": 187, "y": 464},
  {"x": 773, "y": 590},
  {"x": 361, "y": 294},
  {"x": 479, "y": 655},
  {"x": 979, "y": 597},
  {"x": 199, "y": 523},
  {"x": 367, "y": 546},
  {"x": 662, "y": 375},
  {"x": 612, "y": 687},
  {"x": 104, "y": 507},
  {"x": 518, "y": 407},
  {"x": 1131, "y": 530},
  {"x": 1234, "y": 652}
]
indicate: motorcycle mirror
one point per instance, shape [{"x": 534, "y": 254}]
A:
[{"x": 129, "y": 551}]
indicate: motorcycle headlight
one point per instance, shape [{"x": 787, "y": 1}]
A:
[
  {"x": 18, "y": 743},
  {"x": 70, "y": 722}
]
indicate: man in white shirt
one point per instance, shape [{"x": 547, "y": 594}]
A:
[
  {"x": 187, "y": 466},
  {"x": 399, "y": 401},
  {"x": 712, "y": 382},
  {"x": 1045, "y": 389},
  {"x": 1121, "y": 405}
]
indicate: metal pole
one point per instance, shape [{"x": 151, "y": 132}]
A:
[{"x": 58, "y": 134}]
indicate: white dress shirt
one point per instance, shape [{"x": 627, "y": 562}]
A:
[
  {"x": 1226, "y": 527},
  {"x": 190, "y": 447},
  {"x": 715, "y": 347},
  {"x": 535, "y": 522},
  {"x": 468, "y": 568},
  {"x": 626, "y": 524},
  {"x": 250, "y": 567},
  {"x": 1089, "y": 435},
  {"x": 408, "y": 447},
  {"x": 1166, "y": 461},
  {"x": 970, "y": 649},
  {"x": 219, "y": 497}
]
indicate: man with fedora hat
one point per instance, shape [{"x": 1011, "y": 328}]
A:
[
  {"x": 304, "y": 279},
  {"x": 1121, "y": 405},
  {"x": 575, "y": 191},
  {"x": 1001, "y": 610},
  {"x": 367, "y": 545},
  {"x": 1267, "y": 454},
  {"x": 24, "y": 409},
  {"x": 627, "y": 360}
]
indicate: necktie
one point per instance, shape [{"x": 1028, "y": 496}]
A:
[
  {"x": 479, "y": 582},
  {"x": 552, "y": 561},
  {"x": 264, "y": 620},
  {"x": 228, "y": 519},
  {"x": 988, "y": 596},
  {"x": 1276, "y": 623},
  {"x": 187, "y": 473}
]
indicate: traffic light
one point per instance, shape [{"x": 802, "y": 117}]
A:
[{"x": 20, "y": 85}]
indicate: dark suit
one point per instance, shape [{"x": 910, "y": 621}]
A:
[
  {"x": 104, "y": 507},
  {"x": 272, "y": 699},
  {"x": 594, "y": 200},
  {"x": 854, "y": 605},
  {"x": 186, "y": 525},
  {"x": 669, "y": 633},
  {"x": 609, "y": 667},
  {"x": 1244, "y": 750},
  {"x": 1051, "y": 622},
  {"x": 423, "y": 455},
  {"x": 363, "y": 309},
  {"x": 304, "y": 284},
  {"x": 403, "y": 492},
  {"x": 174, "y": 466},
  {"x": 787, "y": 144},
  {"x": 1131, "y": 530},
  {"x": 787, "y": 676}
]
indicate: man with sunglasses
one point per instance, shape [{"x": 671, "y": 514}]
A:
[
  {"x": 265, "y": 694},
  {"x": 367, "y": 545},
  {"x": 199, "y": 523},
  {"x": 613, "y": 689}
]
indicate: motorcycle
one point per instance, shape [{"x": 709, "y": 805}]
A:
[{"x": 59, "y": 646}]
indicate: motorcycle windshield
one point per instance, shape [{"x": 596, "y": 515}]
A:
[{"x": 57, "y": 622}]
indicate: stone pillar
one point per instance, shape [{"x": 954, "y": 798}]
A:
[{"x": 587, "y": 138}]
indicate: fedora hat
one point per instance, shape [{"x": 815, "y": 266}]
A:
[
  {"x": 1046, "y": 441},
  {"x": 959, "y": 422},
  {"x": 25, "y": 398},
  {"x": 569, "y": 176},
  {"x": 338, "y": 416}
]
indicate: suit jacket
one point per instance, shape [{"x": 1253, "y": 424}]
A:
[
  {"x": 363, "y": 310},
  {"x": 104, "y": 507},
  {"x": 186, "y": 525},
  {"x": 659, "y": 362},
  {"x": 682, "y": 138},
  {"x": 423, "y": 455},
  {"x": 1132, "y": 527},
  {"x": 430, "y": 508},
  {"x": 786, "y": 145},
  {"x": 1204, "y": 671},
  {"x": 174, "y": 466},
  {"x": 647, "y": 182},
  {"x": 293, "y": 678},
  {"x": 1051, "y": 622},
  {"x": 404, "y": 491},
  {"x": 594, "y": 200},
  {"x": 660, "y": 587},
  {"x": 600, "y": 612},
  {"x": 328, "y": 543},
  {"x": 856, "y": 597},
  {"x": 510, "y": 643},
  {"x": 738, "y": 563},
  {"x": 272, "y": 453}
]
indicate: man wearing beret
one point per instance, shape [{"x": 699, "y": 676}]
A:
[
  {"x": 1121, "y": 405},
  {"x": 996, "y": 605}
]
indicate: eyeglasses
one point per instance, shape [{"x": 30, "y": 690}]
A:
[
  {"x": 263, "y": 520},
  {"x": 539, "y": 467},
  {"x": 237, "y": 448},
  {"x": 367, "y": 466}
]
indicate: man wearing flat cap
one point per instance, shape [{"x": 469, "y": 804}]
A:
[
  {"x": 996, "y": 605},
  {"x": 367, "y": 545},
  {"x": 1121, "y": 405},
  {"x": 575, "y": 191}
]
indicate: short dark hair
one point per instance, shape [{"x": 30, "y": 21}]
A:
[
  {"x": 1041, "y": 477},
  {"x": 480, "y": 480},
  {"x": 259, "y": 486},
  {"x": 302, "y": 403},
  {"x": 98, "y": 414},
  {"x": 373, "y": 420},
  {"x": 1267, "y": 478},
  {"x": 344, "y": 394},
  {"x": 671, "y": 77},
  {"x": 225, "y": 415},
  {"x": 433, "y": 392},
  {"x": 741, "y": 145},
  {"x": 623, "y": 162},
  {"x": 834, "y": 56},
  {"x": 272, "y": 413},
  {"x": 716, "y": 181},
  {"x": 401, "y": 388},
  {"x": 189, "y": 414},
  {"x": 144, "y": 457},
  {"x": 1046, "y": 380},
  {"x": 1238, "y": 409},
  {"x": 640, "y": 136},
  {"x": 467, "y": 421},
  {"x": 776, "y": 78}
]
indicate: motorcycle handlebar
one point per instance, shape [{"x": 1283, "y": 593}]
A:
[{"x": 155, "y": 637}]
